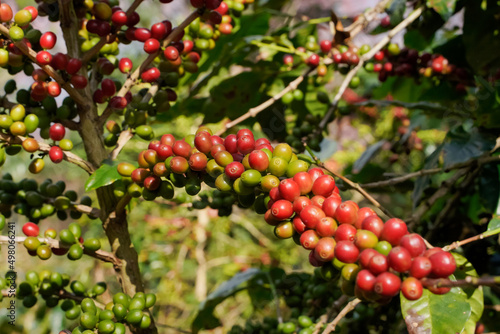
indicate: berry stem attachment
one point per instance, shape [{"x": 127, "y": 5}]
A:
[
  {"x": 348, "y": 308},
  {"x": 333, "y": 107},
  {"x": 351, "y": 184}
]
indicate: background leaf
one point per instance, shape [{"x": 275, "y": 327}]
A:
[
  {"x": 105, "y": 175},
  {"x": 445, "y": 8}
]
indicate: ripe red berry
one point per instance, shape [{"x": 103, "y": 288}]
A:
[
  {"x": 152, "y": 182},
  {"x": 48, "y": 40},
  {"x": 171, "y": 53},
  {"x": 365, "y": 280},
  {"x": 443, "y": 264},
  {"x": 197, "y": 3},
  {"x": 318, "y": 201},
  {"x": 365, "y": 256},
  {"x": 420, "y": 267},
  {"x": 150, "y": 75},
  {"x": 331, "y": 204},
  {"x": 159, "y": 30},
  {"x": 326, "y": 227},
  {"x": 57, "y": 131},
  {"x": 179, "y": 165},
  {"x": 313, "y": 261},
  {"x": 234, "y": 171},
  {"x": 246, "y": 144},
  {"x": 288, "y": 60},
  {"x": 323, "y": 185},
  {"x": 74, "y": 65},
  {"x": 222, "y": 9},
  {"x": 78, "y": 81},
  {"x": 315, "y": 173},
  {"x": 289, "y": 189},
  {"x": 313, "y": 60},
  {"x": 362, "y": 214},
  {"x": 379, "y": 56},
  {"x": 365, "y": 239},
  {"x": 378, "y": 264},
  {"x": 399, "y": 259},
  {"x": 304, "y": 181},
  {"x": 387, "y": 284},
  {"x": 59, "y": 61},
  {"x": 414, "y": 243},
  {"x": 386, "y": 21},
  {"x": 119, "y": 18},
  {"x": 244, "y": 132},
  {"x": 345, "y": 232},
  {"x": 325, "y": 249},
  {"x": 438, "y": 291},
  {"x": 337, "y": 58},
  {"x": 53, "y": 89},
  {"x": 347, "y": 213},
  {"x": 311, "y": 215},
  {"x": 309, "y": 239},
  {"x": 198, "y": 161},
  {"x": 231, "y": 143},
  {"x": 125, "y": 65},
  {"x": 373, "y": 223},
  {"x": 394, "y": 229},
  {"x": 108, "y": 87},
  {"x": 298, "y": 225},
  {"x": 151, "y": 45},
  {"x": 31, "y": 229},
  {"x": 300, "y": 203},
  {"x": 43, "y": 58},
  {"x": 258, "y": 160},
  {"x": 412, "y": 288},
  {"x": 325, "y": 46},
  {"x": 56, "y": 154},
  {"x": 346, "y": 251}
]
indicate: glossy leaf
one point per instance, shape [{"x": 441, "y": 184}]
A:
[
  {"x": 463, "y": 145},
  {"x": 105, "y": 175},
  {"x": 445, "y": 8},
  {"x": 367, "y": 156}
]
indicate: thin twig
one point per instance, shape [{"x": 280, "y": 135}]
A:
[
  {"x": 403, "y": 178},
  {"x": 252, "y": 112},
  {"x": 467, "y": 281},
  {"x": 364, "y": 19},
  {"x": 123, "y": 139},
  {"x": 75, "y": 95},
  {"x": 45, "y": 148},
  {"x": 345, "y": 83},
  {"x": 481, "y": 236},
  {"x": 348, "y": 308},
  {"x": 63, "y": 294},
  {"x": 336, "y": 306},
  {"x": 56, "y": 244},
  {"x": 350, "y": 183}
]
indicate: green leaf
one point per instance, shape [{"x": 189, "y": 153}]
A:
[
  {"x": 205, "y": 318},
  {"x": 463, "y": 145},
  {"x": 396, "y": 11},
  {"x": 494, "y": 223},
  {"x": 474, "y": 294},
  {"x": 105, "y": 175},
  {"x": 445, "y": 8},
  {"x": 367, "y": 156},
  {"x": 437, "y": 314},
  {"x": 489, "y": 187}
]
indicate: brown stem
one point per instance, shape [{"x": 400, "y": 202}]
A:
[
  {"x": 468, "y": 281},
  {"x": 348, "y": 308},
  {"x": 364, "y": 19},
  {"x": 336, "y": 307},
  {"x": 351, "y": 184},
  {"x": 45, "y": 148}
]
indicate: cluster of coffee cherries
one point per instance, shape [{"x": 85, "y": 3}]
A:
[
  {"x": 39, "y": 201},
  {"x": 71, "y": 242}
]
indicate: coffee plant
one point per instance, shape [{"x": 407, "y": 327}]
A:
[{"x": 155, "y": 156}]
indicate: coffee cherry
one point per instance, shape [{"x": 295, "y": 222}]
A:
[
  {"x": 412, "y": 288},
  {"x": 346, "y": 251},
  {"x": 48, "y": 40},
  {"x": 394, "y": 229},
  {"x": 378, "y": 264},
  {"x": 198, "y": 161},
  {"x": 331, "y": 204},
  {"x": 362, "y": 214},
  {"x": 78, "y": 81},
  {"x": 365, "y": 280},
  {"x": 284, "y": 230},
  {"x": 414, "y": 243},
  {"x": 30, "y": 145},
  {"x": 323, "y": 185},
  {"x": 313, "y": 60},
  {"x": 309, "y": 239},
  {"x": 326, "y": 227},
  {"x": 387, "y": 284},
  {"x": 125, "y": 65},
  {"x": 179, "y": 165},
  {"x": 324, "y": 250},
  {"x": 300, "y": 203},
  {"x": 400, "y": 259},
  {"x": 150, "y": 75},
  {"x": 245, "y": 144},
  {"x": 345, "y": 232},
  {"x": 234, "y": 169},
  {"x": 443, "y": 264},
  {"x": 258, "y": 160},
  {"x": 365, "y": 256},
  {"x": 57, "y": 131},
  {"x": 346, "y": 213},
  {"x": 151, "y": 45},
  {"x": 298, "y": 225},
  {"x": 282, "y": 209},
  {"x": 56, "y": 154},
  {"x": 289, "y": 190},
  {"x": 31, "y": 230},
  {"x": 311, "y": 215},
  {"x": 438, "y": 291},
  {"x": 420, "y": 267},
  {"x": 373, "y": 224},
  {"x": 365, "y": 239}
]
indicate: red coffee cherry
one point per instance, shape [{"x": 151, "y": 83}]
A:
[
  {"x": 331, "y": 204},
  {"x": 345, "y": 232},
  {"x": 326, "y": 227},
  {"x": 53, "y": 89},
  {"x": 421, "y": 267},
  {"x": 412, "y": 288},
  {"x": 394, "y": 229},
  {"x": 181, "y": 148},
  {"x": 323, "y": 186},
  {"x": 311, "y": 215},
  {"x": 315, "y": 173},
  {"x": 108, "y": 87},
  {"x": 74, "y": 65},
  {"x": 78, "y": 81},
  {"x": 48, "y": 40},
  {"x": 313, "y": 60},
  {"x": 365, "y": 256},
  {"x": 309, "y": 239},
  {"x": 246, "y": 144},
  {"x": 318, "y": 201},
  {"x": 152, "y": 182},
  {"x": 399, "y": 259},
  {"x": 298, "y": 225},
  {"x": 443, "y": 264},
  {"x": 275, "y": 194},
  {"x": 119, "y": 18},
  {"x": 258, "y": 160},
  {"x": 362, "y": 214},
  {"x": 438, "y": 291},
  {"x": 301, "y": 202},
  {"x": 346, "y": 251},
  {"x": 269, "y": 218},
  {"x": 414, "y": 243},
  {"x": 325, "y": 249},
  {"x": 57, "y": 131},
  {"x": 56, "y": 154},
  {"x": 231, "y": 143},
  {"x": 235, "y": 169},
  {"x": 159, "y": 30},
  {"x": 244, "y": 132},
  {"x": 139, "y": 175},
  {"x": 378, "y": 264},
  {"x": 150, "y": 75},
  {"x": 289, "y": 189},
  {"x": 198, "y": 161},
  {"x": 304, "y": 180},
  {"x": 313, "y": 261},
  {"x": 365, "y": 280},
  {"x": 179, "y": 165},
  {"x": 325, "y": 46},
  {"x": 387, "y": 284},
  {"x": 374, "y": 224},
  {"x": 282, "y": 209},
  {"x": 59, "y": 61},
  {"x": 125, "y": 65},
  {"x": 365, "y": 239},
  {"x": 31, "y": 229},
  {"x": 43, "y": 58},
  {"x": 347, "y": 213},
  {"x": 203, "y": 142}
]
